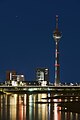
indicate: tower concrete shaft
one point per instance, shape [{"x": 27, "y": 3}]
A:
[
  {"x": 57, "y": 65},
  {"x": 57, "y": 36}
]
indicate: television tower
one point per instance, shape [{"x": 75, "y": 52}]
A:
[{"x": 57, "y": 36}]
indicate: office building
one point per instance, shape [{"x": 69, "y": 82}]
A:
[{"x": 42, "y": 75}]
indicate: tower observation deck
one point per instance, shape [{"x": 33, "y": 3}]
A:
[{"x": 57, "y": 36}]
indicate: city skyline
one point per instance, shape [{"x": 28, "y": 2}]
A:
[{"x": 26, "y": 38}]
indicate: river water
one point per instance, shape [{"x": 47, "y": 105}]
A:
[{"x": 33, "y": 107}]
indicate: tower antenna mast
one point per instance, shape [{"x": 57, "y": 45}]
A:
[{"x": 56, "y": 22}]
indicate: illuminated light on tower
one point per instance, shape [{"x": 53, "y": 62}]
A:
[{"x": 57, "y": 36}]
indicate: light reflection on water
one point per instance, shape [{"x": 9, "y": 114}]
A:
[{"x": 33, "y": 107}]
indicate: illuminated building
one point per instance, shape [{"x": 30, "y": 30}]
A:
[
  {"x": 42, "y": 76},
  {"x": 10, "y": 75},
  {"x": 57, "y": 36},
  {"x": 12, "y": 78}
]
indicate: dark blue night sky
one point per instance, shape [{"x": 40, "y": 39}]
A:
[{"x": 26, "y": 42}]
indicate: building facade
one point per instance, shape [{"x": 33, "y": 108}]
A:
[{"x": 42, "y": 76}]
